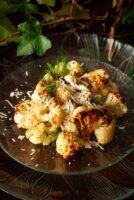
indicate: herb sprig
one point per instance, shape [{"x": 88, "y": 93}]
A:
[
  {"x": 51, "y": 88},
  {"x": 54, "y": 134}
]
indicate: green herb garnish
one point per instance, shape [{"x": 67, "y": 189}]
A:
[
  {"x": 51, "y": 88},
  {"x": 60, "y": 68},
  {"x": 54, "y": 134},
  {"x": 98, "y": 100},
  {"x": 50, "y": 70}
]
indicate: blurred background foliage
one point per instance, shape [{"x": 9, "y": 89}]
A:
[{"x": 29, "y": 22}]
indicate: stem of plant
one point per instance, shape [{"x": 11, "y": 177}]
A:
[{"x": 8, "y": 38}]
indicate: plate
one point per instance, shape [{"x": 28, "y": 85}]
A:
[
  {"x": 22, "y": 182},
  {"x": 21, "y": 82}
]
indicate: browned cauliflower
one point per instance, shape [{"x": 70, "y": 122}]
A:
[{"x": 67, "y": 144}]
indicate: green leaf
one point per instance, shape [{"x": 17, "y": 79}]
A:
[
  {"x": 25, "y": 46},
  {"x": 32, "y": 28},
  {"x": 50, "y": 70},
  {"x": 41, "y": 45},
  {"x": 47, "y": 2},
  {"x": 23, "y": 6},
  {"x": 6, "y": 27},
  {"x": 51, "y": 88},
  {"x": 31, "y": 40}
]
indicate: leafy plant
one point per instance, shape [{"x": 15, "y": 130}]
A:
[
  {"x": 47, "y": 2},
  {"x": 31, "y": 40},
  {"x": 28, "y": 21}
]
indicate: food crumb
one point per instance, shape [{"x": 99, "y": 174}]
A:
[
  {"x": 121, "y": 127},
  {"x": 23, "y": 149},
  {"x": 21, "y": 137},
  {"x": 26, "y": 73},
  {"x": 13, "y": 139},
  {"x": 69, "y": 163}
]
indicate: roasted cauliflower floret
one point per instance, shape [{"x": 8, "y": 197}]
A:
[
  {"x": 112, "y": 87},
  {"x": 75, "y": 68},
  {"x": 104, "y": 134},
  {"x": 63, "y": 94},
  {"x": 56, "y": 114},
  {"x": 69, "y": 125},
  {"x": 29, "y": 113},
  {"x": 67, "y": 144},
  {"x": 60, "y": 69},
  {"x": 39, "y": 93},
  {"x": 114, "y": 104},
  {"x": 96, "y": 79},
  {"x": 48, "y": 77},
  {"x": 40, "y": 134}
]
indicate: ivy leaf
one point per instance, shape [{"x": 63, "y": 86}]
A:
[
  {"x": 47, "y": 2},
  {"x": 41, "y": 45},
  {"x": 6, "y": 27},
  {"x": 31, "y": 40},
  {"x": 23, "y": 6}
]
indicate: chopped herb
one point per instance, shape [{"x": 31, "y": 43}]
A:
[
  {"x": 54, "y": 134},
  {"x": 50, "y": 70},
  {"x": 86, "y": 71},
  {"x": 98, "y": 100},
  {"x": 51, "y": 88}
]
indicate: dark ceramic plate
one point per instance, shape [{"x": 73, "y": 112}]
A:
[{"x": 93, "y": 52}]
